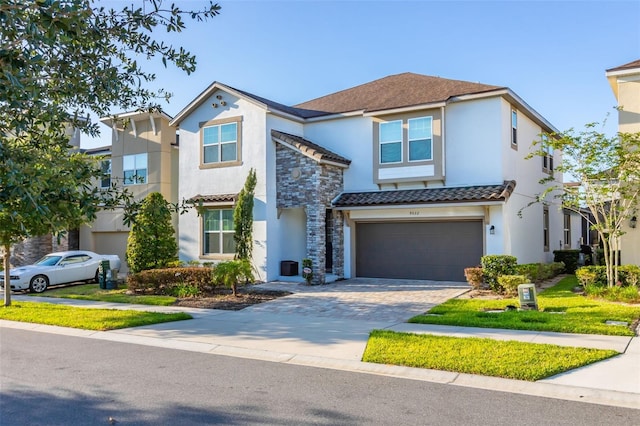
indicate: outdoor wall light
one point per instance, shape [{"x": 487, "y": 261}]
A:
[
  {"x": 492, "y": 229},
  {"x": 633, "y": 222}
]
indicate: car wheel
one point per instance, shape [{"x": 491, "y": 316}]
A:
[
  {"x": 96, "y": 278},
  {"x": 38, "y": 284}
]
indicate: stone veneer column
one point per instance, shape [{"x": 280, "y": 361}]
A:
[
  {"x": 316, "y": 246},
  {"x": 338, "y": 243}
]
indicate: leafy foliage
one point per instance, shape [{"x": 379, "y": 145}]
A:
[
  {"x": 510, "y": 283},
  {"x": 495, "y": 265},
  {"x": 608, "y": 171},
  {"x": 474, "y": 276},
  {"x": 569, "y": 258},
  {"x": 232, "y": 273},
  {"x": 161, "y": 281},
  {"x": 243, "y": 218},
  {"x": 152, "y": 243},
  {"x": 51, "y": 55}
]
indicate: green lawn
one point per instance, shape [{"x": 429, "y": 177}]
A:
[
  {"x": 508, "y": 359},
  {"x": 560, "y": 310},
  {"x": 93, "y": 292},
  {"x": 85, "y": 318}
]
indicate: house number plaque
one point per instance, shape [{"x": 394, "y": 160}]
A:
[{"x": 414, "y": 213}]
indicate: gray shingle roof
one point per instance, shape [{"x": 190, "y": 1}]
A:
[
  {"x": 426, "y": 195},
  {"x": 309, "y": 148},
  {"x": 395, "y": 91}
]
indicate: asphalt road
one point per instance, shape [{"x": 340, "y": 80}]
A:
[{"x": 49, "y": 379}]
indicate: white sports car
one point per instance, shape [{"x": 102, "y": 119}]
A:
[{"x": 59, "y": 268}]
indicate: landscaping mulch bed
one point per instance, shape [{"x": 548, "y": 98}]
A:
[{"x": 225, "y": 300}]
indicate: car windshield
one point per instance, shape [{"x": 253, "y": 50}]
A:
[{"x": 48, "y": 261}]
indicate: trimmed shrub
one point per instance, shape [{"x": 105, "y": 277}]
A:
[
  {"x": 629, "y": 275},
  {"x": 532, "y": 270},
  {"x": 494, "y": 266},
  {"x": 569, "y": 258},
  {"x": 162, "y": 281},
  {"x": 510, "y": 283},
  {"x": 474, "y": 276},
  {"x": 232, "y": 273},
  {"x": 592, "y": 275}
]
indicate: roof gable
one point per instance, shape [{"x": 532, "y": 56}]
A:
[
  {"x": 630, "y": 65},
  {"x": 309, "y": 149},
  {"x": 395, "y": 91}
]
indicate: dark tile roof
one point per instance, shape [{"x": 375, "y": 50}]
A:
[
  {"x": 630, "y": 65},
  {"x": 309, "y": 148},
  {"x": 426, "y": 195},
  {"x": 216, "y": 198},
  {"x": 395, "y": 91}
]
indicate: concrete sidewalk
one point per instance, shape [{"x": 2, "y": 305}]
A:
[{"x": 319, "y": 336}]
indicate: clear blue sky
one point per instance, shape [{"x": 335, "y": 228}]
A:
[{"x": 553, "y": 54}]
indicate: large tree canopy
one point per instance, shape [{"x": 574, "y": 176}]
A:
[
  {"x": 608, "y": 172},
  {"x": 62, "y": 62}
]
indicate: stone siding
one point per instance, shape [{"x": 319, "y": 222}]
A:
[{"x": 304, "y": 183}]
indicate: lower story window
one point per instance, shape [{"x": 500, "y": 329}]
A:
[{"x": 218, "y": 232}]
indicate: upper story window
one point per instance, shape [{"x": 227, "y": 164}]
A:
[
  {"x": 420, "y": 139},
  {"x": 547, "y": 158},
  {"x": 135, "y": 169},
  {"x": 514, "y": 127},
  {"x": 105, "y": 168},
  {"x": 218, "y": 232},
  {"x": 418, "y": 142},
  {"x": 391, "y": 142},
  {"x": 221, "y": 142}
]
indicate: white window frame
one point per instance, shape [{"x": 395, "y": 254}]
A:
[
  {"x": 567, "y": 230},
  {"x": 220, "y": 143},
  {"x": 105, "y": 171},
  {"x": 547, "y": 158},
  {"x": 138, "y": 161},
  {"x": 221, "y": 232},
  {"x": 514, "y": 127},
  {"x": 430, "y": 118},
  {"x": 546, "y": 237},
  {"x": 400, "y": 141}
]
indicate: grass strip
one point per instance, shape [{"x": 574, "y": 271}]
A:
[
  {"x": 560, "y": 310},
  {"x": 84, "y": 318},
  {"x": 94, "y": 292},
  {"x": 472, "y": 355}
]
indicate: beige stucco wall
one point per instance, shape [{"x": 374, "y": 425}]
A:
[
  {"x": 107, "y": 234},
  {"x": 626, "y": 86}
]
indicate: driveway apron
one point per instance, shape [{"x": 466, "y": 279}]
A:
[{"x": 367, "y": 299}]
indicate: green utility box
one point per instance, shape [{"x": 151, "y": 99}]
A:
[
  {"x": 527, "y": 296},
  {"x": 102, "y": 273}
]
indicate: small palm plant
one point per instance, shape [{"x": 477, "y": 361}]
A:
[{"x": 232, "y": 273}]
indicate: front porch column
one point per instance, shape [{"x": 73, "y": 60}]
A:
[
  {"x": 338, "y": 243},
  {"x": 316, "y": 241}
]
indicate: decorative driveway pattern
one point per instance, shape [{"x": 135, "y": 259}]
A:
[{"x": 368, "y": 299}]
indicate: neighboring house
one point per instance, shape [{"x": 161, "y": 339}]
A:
[
  {"x": 32, "y": 249},
  {"x": 625, "y": 82},
  {"x": 143, "y": 158},
  {"x": 408, "y": 176}
]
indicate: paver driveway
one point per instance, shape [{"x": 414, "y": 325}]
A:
[{"x": 369, "y": 299}]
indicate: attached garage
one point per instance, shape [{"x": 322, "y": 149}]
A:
[{"x": 418, "y": 250}]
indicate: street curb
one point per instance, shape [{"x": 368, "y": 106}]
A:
[{"x": 539, "y": 389}]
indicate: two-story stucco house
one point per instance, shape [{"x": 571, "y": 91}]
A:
[
  {"x": 625, "y": 83},
  {"x": 408, "y": 176},
  {"x": 143, "y": 158}
]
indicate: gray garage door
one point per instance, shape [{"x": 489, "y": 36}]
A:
[{"x": 418, "y": 250}]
